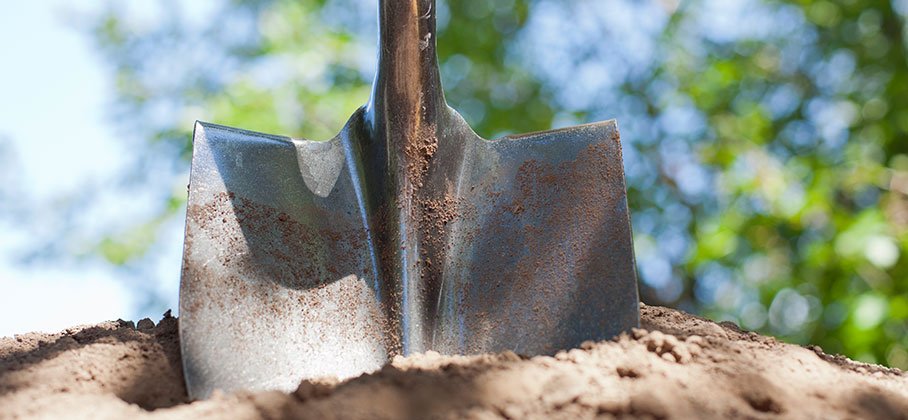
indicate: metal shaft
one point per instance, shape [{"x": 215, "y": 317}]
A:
[
  {"x": 407, "y": 83},
  {"x": 402, "y": 121}
]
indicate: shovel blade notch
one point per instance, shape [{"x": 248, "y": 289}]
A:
[
  {"x": 405, "y": 233},
  {"x": 278, "y": 282}
]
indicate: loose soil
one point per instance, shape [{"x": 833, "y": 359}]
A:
[{"x": 676, "y": 366}]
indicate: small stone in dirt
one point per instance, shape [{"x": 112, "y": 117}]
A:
[
  {"x": 128, "y": 324},
  {"x": 145, "y": 324},
  {"x": 627, "y": 372},
  {"x": 309, "y": 390}
]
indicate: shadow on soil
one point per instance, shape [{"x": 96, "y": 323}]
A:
[{"x": 140, "y": 366}]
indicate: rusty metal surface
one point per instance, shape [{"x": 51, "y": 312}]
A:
[{"x": 407, "y": 232}]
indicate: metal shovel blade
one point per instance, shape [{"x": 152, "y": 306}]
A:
[{"x": 405, "y": 233}]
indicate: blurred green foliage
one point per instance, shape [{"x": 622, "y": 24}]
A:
[{"x": 766, "y": 142}]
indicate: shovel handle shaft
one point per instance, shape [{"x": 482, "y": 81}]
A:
[
  {"x": 407, "y": 83},
  {"x": 403, "y": 117}
]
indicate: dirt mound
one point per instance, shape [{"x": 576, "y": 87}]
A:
[{"x": 676, "y": 366}]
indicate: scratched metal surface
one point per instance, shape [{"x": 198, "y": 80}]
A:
[
  {"x": 277, "y": 279},
  {"x": 405, "y": 233}
]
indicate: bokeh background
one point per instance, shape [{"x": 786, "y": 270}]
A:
[{"x": 765, "y": 141}]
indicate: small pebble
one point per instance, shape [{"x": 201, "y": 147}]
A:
[{"x": 145, "y": 324}]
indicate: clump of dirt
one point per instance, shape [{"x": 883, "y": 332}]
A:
[
  {"x": 419, "y": 150},
  {"x": 675, "y": 366},
  {"x": 437, "y": 213}
]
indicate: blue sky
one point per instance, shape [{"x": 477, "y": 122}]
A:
[{"x": 52, "y": 111}]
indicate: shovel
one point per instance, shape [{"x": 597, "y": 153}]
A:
[{"x": 405, "y": 233}]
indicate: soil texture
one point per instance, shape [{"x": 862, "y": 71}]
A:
[{"x": 676, "y": 366}]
